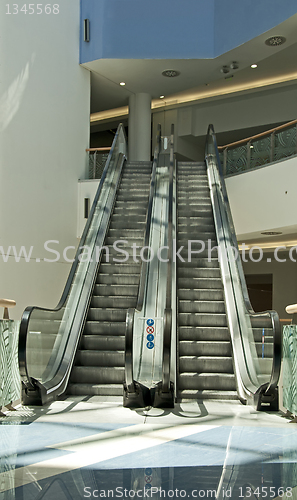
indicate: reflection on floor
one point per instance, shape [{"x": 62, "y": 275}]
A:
[{"x": 83, "y": 448}]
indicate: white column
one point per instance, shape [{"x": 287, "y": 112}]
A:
[{"x": 139, "y": 133}]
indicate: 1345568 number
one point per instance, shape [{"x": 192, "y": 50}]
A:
[
  {"x": 32, "y": 8},
  {"x": 265, "y": 492}
]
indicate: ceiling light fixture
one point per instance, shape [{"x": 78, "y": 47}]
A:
[
  {"x": 254, "y": 66},
  {"x": 170, "y": 73},
  {"x": 271, "y": 233},
  {"x": 162, "y": 96},
  {"x": 122, "y": 84},
  {"x": 275, "y": 41},
  {"x": 225, "y": 69},
  {"x": 234, "y": 65}
]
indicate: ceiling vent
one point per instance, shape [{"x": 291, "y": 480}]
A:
[
  {"x": 271, "y": 233},
  {"x": 275, "y": 41},
  {"x": 170, "y": 73}
]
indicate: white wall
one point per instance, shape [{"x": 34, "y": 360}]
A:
[
  {"x": 239, "y": 110},
  {"x": 284, "y": 280},
  {"x": 264, "y": 199},
  {"x": 44, "y": 131}
]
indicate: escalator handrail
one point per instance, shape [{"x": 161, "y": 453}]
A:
[
  {"x": 129, "y": 381},
  {"x": 276, "y": 366},
  {"x": 23, "y": 333},
  {"x": 167, "y": 334}
]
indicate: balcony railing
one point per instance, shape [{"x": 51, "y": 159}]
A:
[
  {"x": 97, "y": 158},
  {"x": 270, "y": 146}
]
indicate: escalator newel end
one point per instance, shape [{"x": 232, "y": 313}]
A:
[
  {"x": 140, "y": 398},
  {"x": 161, "y": 399},
  {"x": 267, "y": 401}
]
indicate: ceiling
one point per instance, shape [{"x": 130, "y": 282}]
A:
[{"x": 198, "y": 78}]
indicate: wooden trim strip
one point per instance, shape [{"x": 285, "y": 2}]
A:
[
  {"x": 99, "y": 149},
  {"x": 257, "y": 136}
]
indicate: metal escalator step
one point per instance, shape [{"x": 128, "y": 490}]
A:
[
  {"x": 188, "y": 221},
  {"x": 117, "y": 223},
  {"x": 113, "y": 315},
  {"x": 199, "y": 202},
  {"x": 185, "y": 281},
  {"x": 193, "y": 225},
  {"x": 200, "y": 294},
  {"x": 116, "y": 290},
  {"x": 200, "y": 212},
  {"x": 190, "y": 189},
  {"x": 207, "y": 381},
  {"x": 193, "y": 333},
  {"x": 123, "y": 234},
  {"x": 206, "y": 306},
  {"x": 185, "y": 394},
  {"x": 201, "y": 263},
  {"x": 205, "y": 364},
  {"x": 209, "y": 239},
  {"x": 138, "y": 210},
  {"x": 115, "y": 302},
  {"x": 190, "y": 267},
  {"x": 128, "y": 181},
  {"x": 95, "y": 389},
  {"x": 202, "y": 319},
  {"x": 209, "y": 251},
  {"x": 105, "y": 343},
  {"x": 118, "y": 279},
  {"x": 205, "y": 348},
  {"x": 110, "y": 240},
  {"x": 128, "y": 217},
  {"x": 100, "y": 358},
  {"x": 119, "y": 268},
  {"x": 200, "y": 216},
  {"x": 122, "y": 256},
  {"x": 106, "y": 328},
  {"x": 185, "y": 175},
  {"x": 97, "y": 375}
]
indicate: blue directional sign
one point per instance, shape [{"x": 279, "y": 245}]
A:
[
  {"x": 150, "y": 322},
  {"x": 150, "y": 345}
]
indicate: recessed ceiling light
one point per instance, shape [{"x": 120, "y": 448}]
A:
[
  {"x": 170, "y": 73},
  {"x": 225, "y": 69},
  {"x": 275, "y": 41},
  {"x": 234, "y": 65},
  {"x": 122, "y": 84},
  {"x": 162, "y": 96},
  {"x": 271, "y": 233},
  {"x": 254, "y": 65}
]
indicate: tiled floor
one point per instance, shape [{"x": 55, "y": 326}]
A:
[{"x": 78, "y": 448}]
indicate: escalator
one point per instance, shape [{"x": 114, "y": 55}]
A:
[
  {"x": 116, "y": 288},
  {"x": 204, "y": 349},
  {"x": 225, "y": 349},
  {"x": 79, "y": 346}
]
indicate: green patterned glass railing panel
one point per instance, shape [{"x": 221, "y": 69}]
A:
[
  {"x": 10, "y": 385},
  {"x": 271, "y": 146},
  {"x": 290, "y": 368},
  {"x": 260, "y": 152},
  {"x": 96, "y": 164},
  {"x": 285, "y": 143}
]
